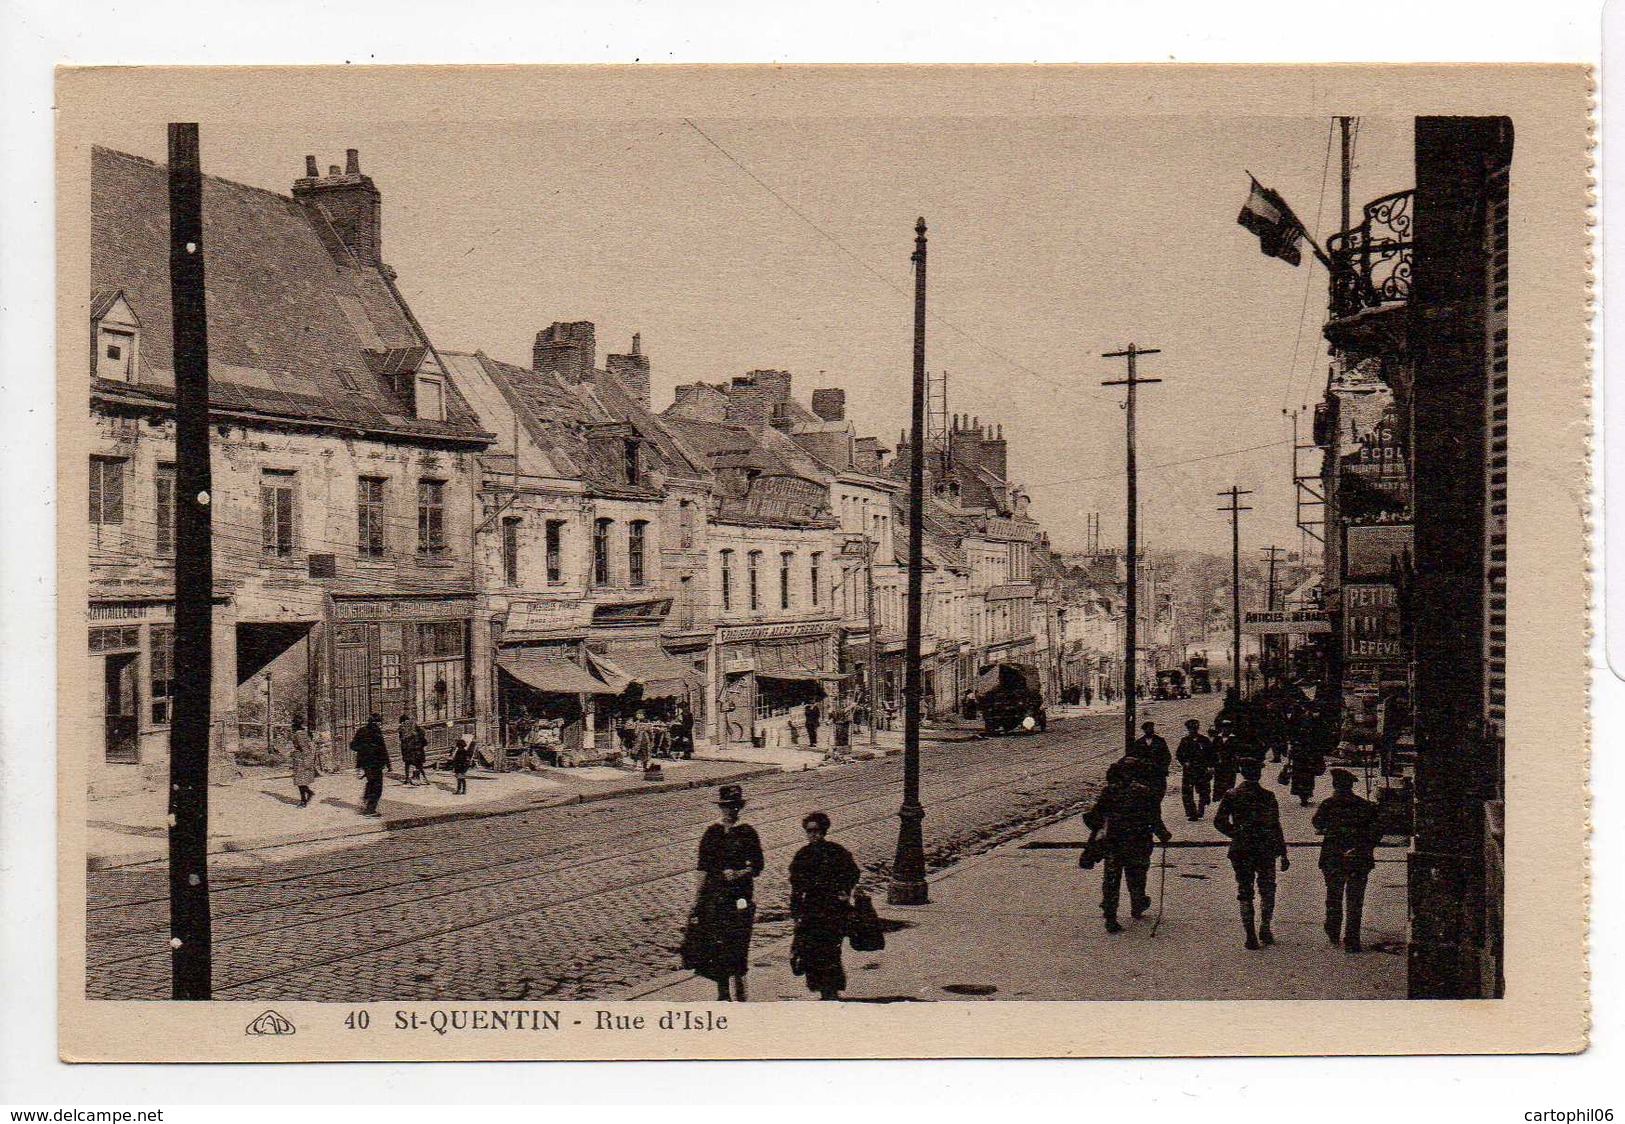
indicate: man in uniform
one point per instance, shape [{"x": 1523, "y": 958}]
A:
[
  {"x": 1125, "y": 816},
  {"x": 1351, "y": 833},
  {"x": 1195, "y": 755},
  {"x": 1251, "y": 818}
]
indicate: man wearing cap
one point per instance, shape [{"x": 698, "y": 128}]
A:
[
  {"x": 1349, "y": 826},
  {"x": 1125, "y": 816},
  {"x": 1226, "y": 747},
  {"x": 1195, "y": 755},
  {"x": 1251, "y": 818}
]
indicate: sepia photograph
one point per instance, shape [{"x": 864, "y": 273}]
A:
[{"x": 538, "y": 574}]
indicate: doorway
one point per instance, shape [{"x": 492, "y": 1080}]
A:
[{"x": 120, "y": 707}]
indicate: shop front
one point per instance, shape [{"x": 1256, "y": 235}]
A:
[
  {"x": 651, "y": 711},
  {"x": 407, "y": 655},
  {"x": 768, "y": 675},
  {"x": 544, "y": 692}
]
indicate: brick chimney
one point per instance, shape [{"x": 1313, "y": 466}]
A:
[
  {"x": 868, "y": 455},
  {"x": 771, "y": 385},
  {"x": 995, "y": 454},
  {"x": 569, "y": 350},
  {"x": 350, "y": 203},
  {"x": 830, "y": 404},
  {"x": 965, "y": 441},
  {"x": 632, "y": 369}
]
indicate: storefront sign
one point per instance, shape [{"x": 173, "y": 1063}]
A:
[
  {"x": 1371, "y": 626},
  {"x": 773, "y": 631},
  {"x": 1295, "y": 621},
  {"x": 409, "y": 609}
]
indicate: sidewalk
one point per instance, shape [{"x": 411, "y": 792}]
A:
[
  {"x": 1026, "y": 925},
  {"x": 794, "y": 759},
  {"x": 261, "y": 808}
]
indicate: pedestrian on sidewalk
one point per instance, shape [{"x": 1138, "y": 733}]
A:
[
  {"x": 1226, "y": 755},
  {"x": 813, "y": 718},
  {"x": 823, "y": 875},
  {"x": 303, "y": 757},
  {"x": 414, "y": 745},
  {"x": 725, "y": 900},
  {"x": 1088, "y": 697},
  {"x": 1305, "y": 764},
  {"x": 1351, "y": 833},
  {"x": 1195, "y": 755},
  {"x": 1125, "y": 816},
  {"x": 1251, "y": 818},
  {"x": 462, "y": 759},
  {"x": 1152, "y": 748},
  {"x": 372, "y": 758}
]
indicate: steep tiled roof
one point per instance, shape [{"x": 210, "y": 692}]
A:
[
  {"x": 291, "y": 315},
  {"x": 778, "y": 493}
]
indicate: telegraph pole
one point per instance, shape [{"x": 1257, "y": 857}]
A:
[
  {"x": 189, "y": 924},
  {"x": 874, "y": 667},
  {"x": 1235, "y": 509},
  {"x": 1272, "y": 555},
  {"x": 908, "y": 886},
  {"x": 1130, "y": 661}
]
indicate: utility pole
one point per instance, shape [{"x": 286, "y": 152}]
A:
[
  {"x": 874, "y": 667},
  {"x": 908, "y": 886},
  {"x": 1348, "y": 167},
  {"x": 1130, "y": 662},
  {"x": 1235, "y": 509},
  {"x": 1273, "y": 556},
  {"x": 189, "y": 924}
]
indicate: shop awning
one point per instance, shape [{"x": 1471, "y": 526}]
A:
[
  {"x": 805, "y": 674},
  {"x": 660, "y": 675},
  {"x": 553, "y": 674}
]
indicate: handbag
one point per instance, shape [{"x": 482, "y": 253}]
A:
[
  {"x": 863, "y": 927},
  {"x": 692, "y": 952}
]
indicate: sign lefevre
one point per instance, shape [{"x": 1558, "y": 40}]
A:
[{"x": 1297, "y": 621}]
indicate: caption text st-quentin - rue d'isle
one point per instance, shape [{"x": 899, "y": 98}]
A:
[{"x": 456, "y": 1021}]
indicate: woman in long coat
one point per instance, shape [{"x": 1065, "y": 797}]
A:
[
  {"x": 1305, "y": 764},
  {"x": 725, "y": 904},
  {"x": 822, "y": 877},
  {"x": 303, "y": 758}
]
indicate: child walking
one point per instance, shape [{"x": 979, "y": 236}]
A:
[{"x": 462, "y": 758}]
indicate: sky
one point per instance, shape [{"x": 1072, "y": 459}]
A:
[{"x": 733, "y": 244}]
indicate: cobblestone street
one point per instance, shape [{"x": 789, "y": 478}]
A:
[{"x": 571, "y": 902}]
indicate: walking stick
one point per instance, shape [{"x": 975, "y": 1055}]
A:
[{"x": 1162, "y": 888}]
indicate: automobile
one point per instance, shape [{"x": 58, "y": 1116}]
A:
[
  {"x": 1171, "y": 685},
  {"x": 1010, "y": 698},
  {"x": 1201, "y": 681}
]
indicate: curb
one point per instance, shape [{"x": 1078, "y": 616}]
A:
[{"x": 237, "y": 843}]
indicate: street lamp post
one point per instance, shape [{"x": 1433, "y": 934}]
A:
[{"x": 908, "y": 886}]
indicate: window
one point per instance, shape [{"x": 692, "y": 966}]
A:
[
  {"x": 634, "y": 552},
  {"x": 106, "y": 491},
  {"x": 164, "y": 483},
  {"x": 441, "y": 668},
  {"x": 755, "y": 561},
  {"x": 369, "y": 506},
  {"x": 555, "y": 552},
  {"x": 431, "y": 518},
  {"x": 510, "y": 551},
  {"x": 276, "y": 514},
  {"x": 817, "y": 565},
  {"x": 389, "y": 665},
  {"x": 785, "y": 559},
  {"x": 160, "y": 672},
  {"x": 685, "y": 601},
  {"x": 727, "y": 580},
  {"x": 430, "y": 398},
  {"x": 629, "y": 458},
  {"x": 685, "y": 525},
  {"x": 600, "y": 551},
  {"x": 115, "y": 639},
  {"x": 116, "y": 355}
]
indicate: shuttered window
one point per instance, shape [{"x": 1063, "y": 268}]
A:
[
  {"x": 276, "y": 514},
  {"x": 106, "y": 491}
]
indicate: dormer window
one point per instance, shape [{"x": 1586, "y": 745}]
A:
[
  {"x": 116, "y": 335},
  {"x": 630, "y": 459},
  {"x": 430, "y": 398}
]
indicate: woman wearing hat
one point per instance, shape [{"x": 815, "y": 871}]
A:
[{"x": 725, "y": 904}]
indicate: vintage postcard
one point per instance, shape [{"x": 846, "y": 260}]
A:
[{"x": 572, "y": 562}]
